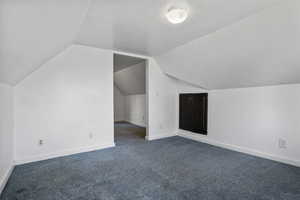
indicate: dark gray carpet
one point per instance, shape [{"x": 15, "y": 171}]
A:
[{"x": 172, "y": 168}]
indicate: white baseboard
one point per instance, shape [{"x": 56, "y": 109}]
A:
[
  {"x": 63, "y": 153},
  {"x": 5, "y": 178},
  {"x": 240, "y": 149},
  {"x": 159, "y": 136}
]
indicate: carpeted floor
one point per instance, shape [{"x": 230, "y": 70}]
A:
[
  {"x": 172, "y": 168},
  {"x": 127, "y": 134}
]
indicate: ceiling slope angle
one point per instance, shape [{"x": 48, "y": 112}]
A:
[
  {"x": 140, "y": 26},
  {"x": 260, "y": 50},
  {"x": 33, "y": 31},
  {"x": 121, "y": 61},
  {"x": 131, "y": 80}
]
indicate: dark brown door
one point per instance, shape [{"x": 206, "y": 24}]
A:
[{"x": 193, "y": 112}]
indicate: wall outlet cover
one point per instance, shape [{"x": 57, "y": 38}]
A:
[{"x": 282, "y": 143}]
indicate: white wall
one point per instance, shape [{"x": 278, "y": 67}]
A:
[
  {"x": 130, "y": 98},
  {"x": 135, "y": 106},
  {"x": 161, "y": 102},
  {"x": 6, "y": 133},
  {"x": 130, "y": 108},
  {"x": 68, "y": 103},
  {"x": 252, "y": 120},
  {"x": 119, "y": 105}
]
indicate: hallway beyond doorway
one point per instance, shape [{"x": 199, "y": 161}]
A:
[{"x": 126, "y": 133}]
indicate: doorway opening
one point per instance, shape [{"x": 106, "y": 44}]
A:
[{"x": 130, "y": 99}]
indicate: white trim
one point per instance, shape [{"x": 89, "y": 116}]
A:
[
  {"x": 131, "y": 54},
  {"x": 159, "y": 136},
  {"x": 63, "y": 153},
  {"x": 3, "y": 182},
  {"x": 240, "y": 149}
]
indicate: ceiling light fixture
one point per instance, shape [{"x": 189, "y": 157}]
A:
[{"x": 177, "y": 15}]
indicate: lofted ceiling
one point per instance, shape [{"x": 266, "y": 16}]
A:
[
  {"x": 222, "y": 44},
  {"x": 140, "y": 26},
  {"x": 33, "y": 31},
  {"x": 260, "y": 50}
]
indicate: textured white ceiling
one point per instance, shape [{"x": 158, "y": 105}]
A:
[
  {"x": 33, "y": 31},
  {"x": 260, "y": 50}
]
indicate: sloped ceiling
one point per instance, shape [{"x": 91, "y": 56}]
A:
[
  {"x": 262, "y": 49},
  {"x": 131, "y": 80},
  {"x": 140, "y": 26},
  {"x": 223, "y": 44},
  {"x": 122, "y": 61},
  {"x": 33, "y": 31}
]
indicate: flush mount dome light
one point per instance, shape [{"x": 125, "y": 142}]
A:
[{"x": 177, "y": 15}]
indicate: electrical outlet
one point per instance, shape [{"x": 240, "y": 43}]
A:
[
  {"x": 91, "y": 135},
  {"x": 282, "y": 143},
  {"x": 41, "y": 142}
]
